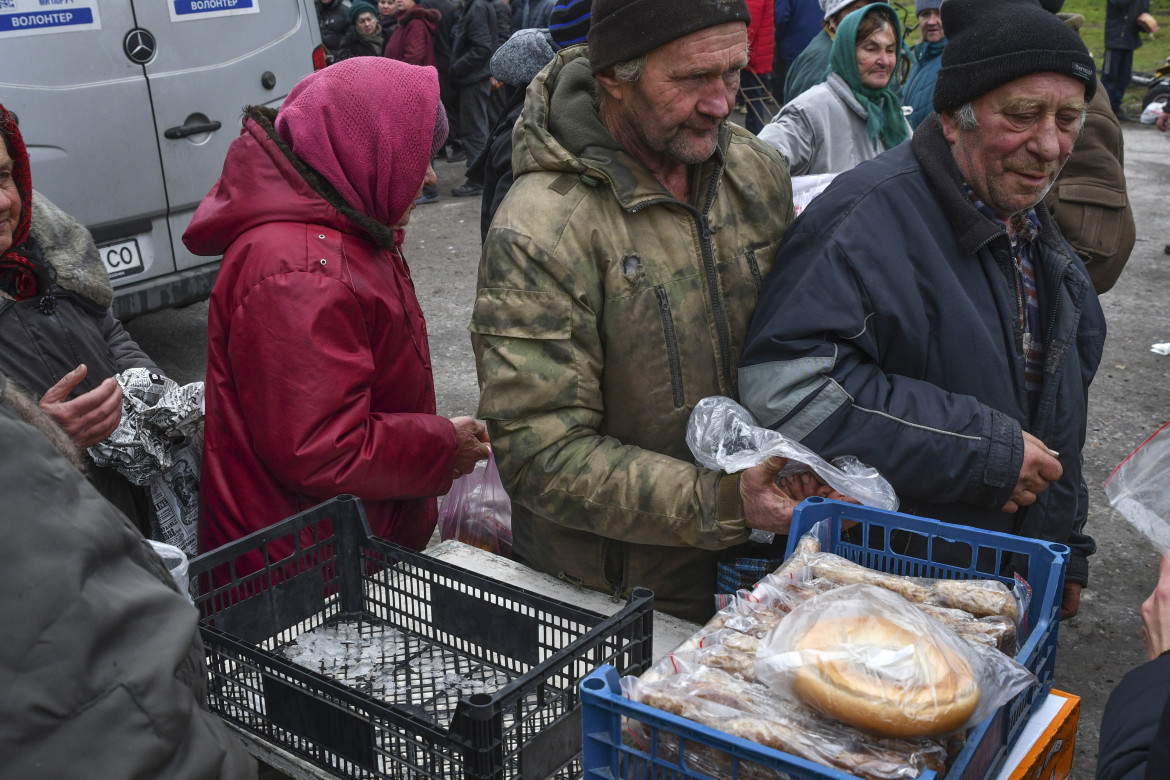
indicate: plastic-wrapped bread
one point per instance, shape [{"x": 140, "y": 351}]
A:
[{"x": 745, "y": 709}]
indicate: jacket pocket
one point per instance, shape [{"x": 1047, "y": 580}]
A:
[
  {"x": 671, "y": 338},
  {"x": 1097, "y": 222},
  {"x": 521, "y": 314}
]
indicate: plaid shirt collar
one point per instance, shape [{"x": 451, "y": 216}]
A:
[{"x": 1025, "y": 225}]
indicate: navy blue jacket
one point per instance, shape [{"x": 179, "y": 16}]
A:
[
  {"x": 887, "y": 329},
  {"x": 1121, "y": 30},
  {"x": 797, "y": 23},
  {"x": 1135, "y": 727},
  {"x": 919, "y": 89}
]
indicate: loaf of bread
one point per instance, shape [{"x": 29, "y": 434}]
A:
[{"x": 870, "y": 672}]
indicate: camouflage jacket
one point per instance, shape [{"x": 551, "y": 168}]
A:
[{"x": 606, "y": 308}]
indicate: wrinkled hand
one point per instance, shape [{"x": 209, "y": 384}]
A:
[
  {"x": 1147, "y": 22},
  {"x": 471, "y": 444},
  {"x": 1071, "y": 601},
  {"x": 768, "y": 505},
  {"x": 1040, "y": 468},
  {"x": 1156, "y": 614},
  {"x": 88, "y": 418}
]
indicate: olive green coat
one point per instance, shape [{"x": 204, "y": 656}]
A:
[{"x": 606, "y": 309}]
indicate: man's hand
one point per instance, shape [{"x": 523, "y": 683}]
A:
[
  {"x": 1156, "y": 614},
  {"x": 88, "y": 418},
  {"x": 471, "y": 444},
  {"x": 1040, "y": 467},
  {"x": 1163, "y": 120},
  {"x": 1071, "y": 601},
  {"x": 768, "y": 505},
  {"x": 1147, "y": 22}
]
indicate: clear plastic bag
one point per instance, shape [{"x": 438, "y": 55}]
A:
[
  {"x": 723, "y": 435},
  {"x": 477, "y": 510},
  {"x": 176, "y": 563},
  {"x": 747, "y": 709},
  {"x": 867, "y": 657},
  {"x": 1139, "y": 488}
]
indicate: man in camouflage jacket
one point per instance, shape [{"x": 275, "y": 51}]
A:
[{"x": 615, "y": 288}]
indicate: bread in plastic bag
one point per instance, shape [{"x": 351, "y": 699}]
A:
[
  {"x": 723, "y": 435},
  {"x": 747, "y": 709},
  {"x": 1139, "y": 488},
  {"x": 477, "y": 510},
  {"x": 981, "y": 598},
  {"x": 869, "y": 658}
]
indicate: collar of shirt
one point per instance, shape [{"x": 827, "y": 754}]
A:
[{"x": 1025, "y": 225}]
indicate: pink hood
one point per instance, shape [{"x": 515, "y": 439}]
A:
[{"x": 364, "y": 126}]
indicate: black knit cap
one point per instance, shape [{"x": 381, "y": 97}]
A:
[
  {"x": 992, "y": 42},
  {"x": 623, "y": 30}
]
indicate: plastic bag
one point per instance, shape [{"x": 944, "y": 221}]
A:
[
  {"x": 1151, "y": 113},
  {"x": 477, "y": 510},
  {"x": 869, "y": 658},
  {"x": 176, "y": 563},
  {"x": 805, "y": 188},
  {"x": 981, "y": 610},
  {"x": 747, "y": 709},
  {"x": 1139, "y": 488},
  {"x": 723, "y": 435}
]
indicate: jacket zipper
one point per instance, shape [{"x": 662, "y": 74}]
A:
[
  {"x": 671, "y": 346},
  {"x": 722, "y": 329}
]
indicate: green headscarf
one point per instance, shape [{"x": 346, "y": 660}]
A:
[{"x": 883, "y": 106}]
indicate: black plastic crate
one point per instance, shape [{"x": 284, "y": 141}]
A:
[{"x": 476, "y": 627}]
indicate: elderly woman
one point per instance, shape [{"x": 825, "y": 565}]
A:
[
  {"x": 365, "y": 37},
  {"x": 319, "y": 372},
  {"x": 853, "y": 116},
  {"x": 59, "y": 340}
]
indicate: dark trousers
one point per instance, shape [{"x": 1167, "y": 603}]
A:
[
  {"x": 755, "y": 94},
  {"x": 1116, "y": 71},
  {"x": 449, "y": 97},
  {"x": 473, "y": 117}
]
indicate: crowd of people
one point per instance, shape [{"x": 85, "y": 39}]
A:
[{"x": 934, "y": 312}]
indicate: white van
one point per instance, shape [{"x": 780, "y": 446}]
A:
[{"x": 128, "y": 107}]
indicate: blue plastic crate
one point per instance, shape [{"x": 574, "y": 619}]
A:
[{"x": 868, "y": 543}]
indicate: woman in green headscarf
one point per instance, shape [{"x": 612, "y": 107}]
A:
[{"x": 854, "y": 115}]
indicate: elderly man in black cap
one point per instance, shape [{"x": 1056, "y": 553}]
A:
[
  {"x": 926, "y": 315},
  {"x": 615, "y": 289}
]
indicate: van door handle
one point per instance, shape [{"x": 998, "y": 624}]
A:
[{"x": 185, "y": 130}]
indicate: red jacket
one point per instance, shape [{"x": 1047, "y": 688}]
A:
[
  {"x": 761, "y": 35},
  {"x": 318, "y": 369},
  {"x": 413, "y": 38}
]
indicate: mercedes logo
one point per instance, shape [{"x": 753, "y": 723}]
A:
[{"x": 139, "y": 46}]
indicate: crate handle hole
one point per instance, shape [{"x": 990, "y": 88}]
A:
[{"x": 593, "y": 684}]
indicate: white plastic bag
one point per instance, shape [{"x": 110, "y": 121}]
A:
[
  {"x": 870, "y": 659},
  {"x": 176, "y": 563},
  {"x": 723, "y": 435},
  {"x": 1139, "y": 488},
  {"x": 805, "y": 188},
  {"x": 1151, "y": 113}
]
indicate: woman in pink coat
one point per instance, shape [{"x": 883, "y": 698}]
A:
[{"x": 318, "y": 368}]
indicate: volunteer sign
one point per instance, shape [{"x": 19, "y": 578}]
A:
[
  {"x": 186, "y": 10},
  {"x": 38, "y": 17}
]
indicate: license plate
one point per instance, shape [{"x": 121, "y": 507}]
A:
[{"x": 122, "y": 258}]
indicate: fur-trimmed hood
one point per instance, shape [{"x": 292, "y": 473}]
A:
[{"x": 68, "y": 248}]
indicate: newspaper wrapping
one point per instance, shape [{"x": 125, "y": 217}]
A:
[{"x": 158, "y": 444}]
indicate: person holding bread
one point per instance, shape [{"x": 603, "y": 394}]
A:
[{"x": 926, "y": 315}]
